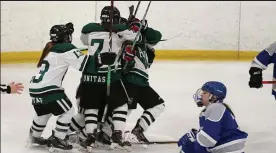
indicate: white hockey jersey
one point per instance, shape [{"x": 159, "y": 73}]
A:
[
  {"x": 55, "y": 65},
  {"x": 97, "y": 39}
]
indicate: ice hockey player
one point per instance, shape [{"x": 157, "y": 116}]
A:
[
  {"x": 260, "y": 63},
  {"x": 12, "y": 88},
  {"x": 48, "y": 95},
  {"x": 137, "y": 82},
  {"x": 93, "y": 85},
  {"x": 219, "y": 131}
]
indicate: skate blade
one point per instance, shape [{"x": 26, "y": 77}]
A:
[
  {"x": 100, "y": 145},
  {"x": 58, "y": 150},
  {"x": 117, "y": 147},
  {"x": 35, "y": 145},
  {"x": 88, "y": 149},
  {"x": 134, "y": 141}
]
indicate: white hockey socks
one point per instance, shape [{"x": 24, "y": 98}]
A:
[
  {"x": 119, "y": 117},
  {"x": 77, "y": 123},
  {"x": 91, "y": 120},
  {"x": 150, "y": 115},
  {"x": 39, "y": 124},
  {"x": 63, "y": 123}
]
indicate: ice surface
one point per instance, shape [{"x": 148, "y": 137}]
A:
[{"x": 176, "y": 82}]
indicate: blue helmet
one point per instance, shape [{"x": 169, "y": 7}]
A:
[{"x": 216, "y": 88}]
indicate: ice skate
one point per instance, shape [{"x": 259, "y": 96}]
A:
[
  {"x": 102, "y": 140},
  {"x": 35, "y": 141},
  {"x": 117, "y": 141},
  {"x": 137, "y": 136},
  {"x": 58, "y": 145},
  {"x": 74, "y": 139},
  {"x": 88, "y": 144}
]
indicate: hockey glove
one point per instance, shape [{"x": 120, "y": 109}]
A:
[
  {"x": 255, "y": 77},
  {"x": 128, "y": 54},
  {"x": 186, "y": 142},
  {"x": 136, "y": 24},
  {"x": 107, "y": 58},
  {"x": 70, "y": 26}
]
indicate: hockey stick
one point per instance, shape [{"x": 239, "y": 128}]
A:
[
  {"x": 129, "y": 18},
  {"x": 139, "y": 32},
  {"x": 110, "y": 46},
  {"x": 109, "y": 67},
  {"x": 156, "y": 142},
  {"x": 152, "y": 42},
  {"x": 137, "y": 8},
  {"x": 268, "y": 82}
]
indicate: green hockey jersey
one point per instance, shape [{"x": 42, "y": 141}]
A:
[{"x": 137, "y": 70}]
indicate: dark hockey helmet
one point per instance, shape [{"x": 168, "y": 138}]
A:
[
  {"x": 105, "y": 15},
  {"x": 60, "y": 33}
]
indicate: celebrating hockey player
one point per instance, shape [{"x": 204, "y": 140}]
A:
[
  {"x": 260, "y": 63},
  {"x": 92, "y": 90},
  {"x": 137, "y": 83},
  {"x": 48, "y": 95},
  {"x": 219, "y": 131}
]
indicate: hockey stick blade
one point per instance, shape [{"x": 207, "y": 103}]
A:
[
  {"x": 131, "y": 10},
  {"x": 268, "y": 82}
]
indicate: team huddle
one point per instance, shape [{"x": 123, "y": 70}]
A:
[
  {"x": 129, "y": 84},
  {"x": 101, "y": 118}
]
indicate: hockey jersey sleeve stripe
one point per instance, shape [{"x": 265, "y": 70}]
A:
[
  {"x": 258, "y": 64},
  {"x": 263, "y": 59},
  {"x": 83, "y": 63},
  {"x": 232, "y": 146},
  {"x": 205, "y": 140}
]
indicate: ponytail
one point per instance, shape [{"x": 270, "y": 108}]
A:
[
  {"x": 45, "y": 52},
  {"x": 229, "y": 109}
]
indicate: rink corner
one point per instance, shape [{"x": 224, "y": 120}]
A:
[{"x": 185, "y": 55}]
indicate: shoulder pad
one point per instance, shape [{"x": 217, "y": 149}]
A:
[
  {"x": 62, "y": 47},
  {"x": 92, "y": 27},
  {"x": 152, "y": 36},
  {"x": 214, "y": 112},
  {"x": 120, "y": 27},
  {"x": 271, "y": 49}
]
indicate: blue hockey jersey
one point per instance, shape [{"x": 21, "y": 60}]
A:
[
  {"x": 219, "y": 131},
  {"x": 264, "y": 58}
]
